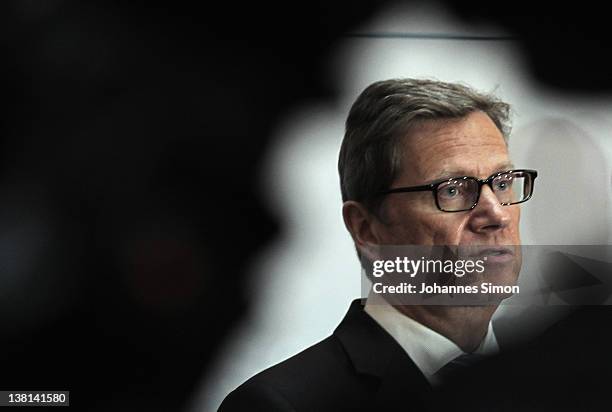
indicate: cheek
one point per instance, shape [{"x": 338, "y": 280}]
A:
[
  {"x": 429, "y": 228},
  {"x": 450, "y": 229},
  {"x": 405, "y": 226}
]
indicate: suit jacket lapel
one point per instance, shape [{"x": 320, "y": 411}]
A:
[{"x": 374, "y": 352}]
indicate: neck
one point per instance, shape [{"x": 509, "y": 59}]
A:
[{"x": 464, "y": 325}]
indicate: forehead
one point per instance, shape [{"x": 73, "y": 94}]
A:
[{"x": 437, "y": 149}]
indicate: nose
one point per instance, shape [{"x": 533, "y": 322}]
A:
[{"x": 489, "y": 215}]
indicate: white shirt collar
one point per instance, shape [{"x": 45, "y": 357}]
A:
[{"x": 428, "y": 349}]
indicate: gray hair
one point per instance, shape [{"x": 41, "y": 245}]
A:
[{"x": 383, "y": 113}]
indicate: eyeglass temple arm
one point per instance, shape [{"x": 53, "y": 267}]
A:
[{"x": 409, "y": 189}]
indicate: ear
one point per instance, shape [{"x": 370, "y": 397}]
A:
[{"x": 360, "y": 223}]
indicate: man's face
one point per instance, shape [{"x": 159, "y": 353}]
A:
[{"x": 435, "y": 150}]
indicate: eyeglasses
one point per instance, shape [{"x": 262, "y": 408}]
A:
[{"x": 459, "y": 194}]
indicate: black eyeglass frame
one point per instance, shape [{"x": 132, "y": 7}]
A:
[{"x": 433, "y": 187}]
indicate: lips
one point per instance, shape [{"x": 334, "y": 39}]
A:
[
  {"x": 494, "y": 254},
  {"x": 496, "y": 251}
]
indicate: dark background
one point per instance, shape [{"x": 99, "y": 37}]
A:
[{"x": 130, "y": 141}]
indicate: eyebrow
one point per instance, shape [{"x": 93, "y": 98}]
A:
[{"x": 450, "y": 173}]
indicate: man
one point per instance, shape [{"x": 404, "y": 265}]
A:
[{"x": 406, "y": 140}]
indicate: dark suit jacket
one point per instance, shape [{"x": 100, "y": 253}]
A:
[{"x": 359, "y": 367}]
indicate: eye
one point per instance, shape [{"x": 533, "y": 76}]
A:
[
  {"x": 451, "y": 190},
  {"x": 503, "y": 184}
]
